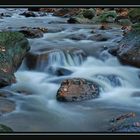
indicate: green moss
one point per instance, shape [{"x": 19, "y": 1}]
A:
[
  {"x": 104, "y": 16},
  {"x": 6, "y": 38},
  {"x": 89, "y": 13},
  {"x": 125, "y": 22}
]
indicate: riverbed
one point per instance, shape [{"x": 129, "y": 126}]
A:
[{"x": 40, "y": 111}]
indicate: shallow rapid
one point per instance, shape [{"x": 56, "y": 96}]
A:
[{"x": 40, "y": 111}]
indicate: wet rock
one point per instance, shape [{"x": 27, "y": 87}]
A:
[
  {"x": 77, "y": 89},
  {"x": 59, "y": 71},
  {"x": 42, "y": 59},
  {"x": 124, "y": 22},
  {"x": 135, "y": 94},
  {"x": 32, "y": 33},
  {"x": 114, "y": 80},
  {"x": 13, "y": 48},
  {"x": 113, "y": 50},
  {"x": 55, "y": 30},
  {"x": 23, "y": 92},
  {"x": 122, "y": 117},
  {"x": 80, "y": 20},
  {"x": 98, "y": 37},
  {"x": 125, "y": 123},
  {"x": 88, "y": 13},
  {"x": 128, "y": 51},
  {"x": 76, "y": 37},
  {"x": 5, "y": 93},
  {"x": 73, "y": 20},
  {"x": 6, "y": 105},
  {"x": 122, "y": 11},
  {"x": 49, "y": 10},
  {"x": 5, "y": 15},
  {"x": 44, "y": 30},
  {"x": 66, "y": 12},
  {"x": 84, "y": 16},
  {"x": 28, "y": 14},
  {"x": 130, "y": 127},
  {"x": 108, "y": 17},
  {"x": 34, "y": 9},
  {"x": 105, "y": 18},
  {"x": 4, "y": 128},
  {"x": 57, "y": 22}
]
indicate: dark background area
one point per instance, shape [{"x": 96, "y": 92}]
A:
[{"x": 69, "y": 2}]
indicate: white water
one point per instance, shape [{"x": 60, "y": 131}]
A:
[
  {"x": 59, "y": 58},
  {"x": 40, "y": 111},
  {"x": 38, "y": 83}
]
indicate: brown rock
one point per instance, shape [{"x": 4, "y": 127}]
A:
[
  {"x": 32, "y": 33},
  {"x": 66, "y": 12},
  {"x": 6, "y": 105},
  {"x": 77, "y": 89}
]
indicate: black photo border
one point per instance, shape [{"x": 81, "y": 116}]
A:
[{"x": 69, "y": 2}]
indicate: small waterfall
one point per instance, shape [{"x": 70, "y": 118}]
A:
[{"x": 60, "y": 59}]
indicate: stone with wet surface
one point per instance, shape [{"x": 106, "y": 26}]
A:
[{"x": 77, "y": 89}]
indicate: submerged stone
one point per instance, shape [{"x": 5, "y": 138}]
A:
[{"x": 4, "y": 128}]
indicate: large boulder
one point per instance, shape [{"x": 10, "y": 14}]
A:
[
  {"x": 84, "y": 16},
  {"x": 128, "y": 51},
  {"x": 77, "y": 89},
  {"x": 88, "y": 16},
  {"x": 88, "y": 13},
  {"x": 13, "y": 48}
]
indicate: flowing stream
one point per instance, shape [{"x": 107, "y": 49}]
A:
[{"x": 40, "y": 111}]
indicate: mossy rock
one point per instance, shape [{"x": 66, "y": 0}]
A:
[
  {"x": 13, "y": 48},
  {"x": 134, "y": 15},
  {"x": 6, "y": 38},
  {"x": 104, "y": 17},
  {"x": 89, "y": 13},
  {"x": 125, "y": 22},
  {"x": 4, "y": 128}
]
